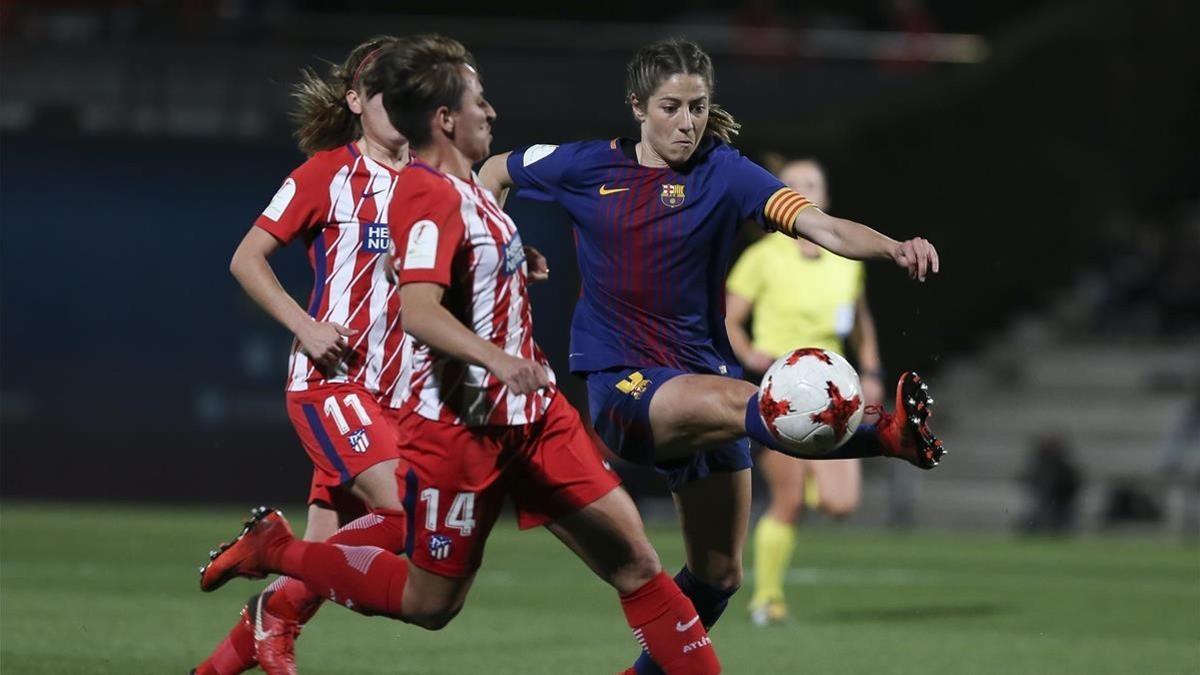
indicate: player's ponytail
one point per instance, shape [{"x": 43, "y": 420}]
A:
[
  {"x": 721, "y": 124},
  {"x": 322, "y": 118},
  {"x": 654, "y": 63}
]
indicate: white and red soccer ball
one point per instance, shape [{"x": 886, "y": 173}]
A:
[{"x": 811, "y": 401}]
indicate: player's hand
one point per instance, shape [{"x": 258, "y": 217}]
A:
[
  {"x": 326, "y": 342},
  {"x": 521, "y": 376},
  {"x": 918, "y": 256},
  {"x": 539, "y": 269},
  {"x": 758, "y": 362}
]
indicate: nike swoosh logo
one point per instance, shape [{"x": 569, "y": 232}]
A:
[
  {"x": 605, "y": 190},
  {"x": 368, "y": 195},
  {"x": 681, "y": 626},
  {"x": 259, "y": 633}
]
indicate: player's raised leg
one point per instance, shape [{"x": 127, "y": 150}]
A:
[
  {"x": 354, "y": 470},
  {"x": 288, "y": 604},
  {"x": 366, "y": 579},
  {"x": 690, "y": 412},
  {"x": 351, "y": 439},
  {"x": 237, "y": 652}
]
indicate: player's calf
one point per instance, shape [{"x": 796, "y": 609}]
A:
[
  {"x": 235, "y": 653},
  {"x": 669, "y": 629}
]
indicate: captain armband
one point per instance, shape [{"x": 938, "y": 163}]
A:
[{"x": 782, "y": 208}]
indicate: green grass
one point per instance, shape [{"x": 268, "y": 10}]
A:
[{"x": 98, "y": 589}]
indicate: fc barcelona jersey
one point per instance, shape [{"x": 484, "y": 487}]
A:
[{"x": 653, "y": 246}]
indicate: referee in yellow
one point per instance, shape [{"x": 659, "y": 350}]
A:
[{"x": 799, "y": 296}]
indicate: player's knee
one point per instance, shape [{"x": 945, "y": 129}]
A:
[
  {"x": 726, "y": 577},
  {"x": 435, "y": 618},
  {"x": 644, "y": 563},
  {"x": 641, "y": 566},
  {"x": 786, "y": 509},
  {"x": 730, "y": 581},
  {"x": 839, "y": 507},
  {"x": 733, "y": 402}
]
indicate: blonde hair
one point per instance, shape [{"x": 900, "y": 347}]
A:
[
  {"x": 322, "y": 118},
  {"x": 656, "y": 62}
]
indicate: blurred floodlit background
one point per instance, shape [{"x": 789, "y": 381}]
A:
[{"x": 1049, "y": 149}]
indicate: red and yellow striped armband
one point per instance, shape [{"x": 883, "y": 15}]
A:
[{"x": 782, "y": 208}]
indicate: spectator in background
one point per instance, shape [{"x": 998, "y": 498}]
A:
[
  {"x": 1181, "y": 466},
  {"x": 1053, "y": 482}
]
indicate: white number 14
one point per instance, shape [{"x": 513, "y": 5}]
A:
[{"x": 461, "y": 515}]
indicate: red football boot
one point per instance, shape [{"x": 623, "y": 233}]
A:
[
  {"x": 906, "y": 434},
  {"x": 244, "y": 556},
  {"x": 274, "y": 638}
]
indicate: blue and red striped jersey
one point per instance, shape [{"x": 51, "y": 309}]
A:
[{"x": 653, "y": 246}]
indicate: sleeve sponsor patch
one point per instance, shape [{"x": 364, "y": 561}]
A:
[
  {"x": 535, "y": 152},
  {"x": 280, "y": 201},
  {"x": 421, "y": 253}
]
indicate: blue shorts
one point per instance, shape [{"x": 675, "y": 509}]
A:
[{"x": 619, "y": 401}]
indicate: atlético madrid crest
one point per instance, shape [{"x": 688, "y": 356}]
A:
[
  {"x": 439, "y": 546},
  {"x": 672, "y": 194}
]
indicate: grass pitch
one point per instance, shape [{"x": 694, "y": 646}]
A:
[{"x": 101, "y": 589}]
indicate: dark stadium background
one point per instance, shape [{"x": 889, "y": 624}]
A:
[
  {"x": 1049, "y": 148},
  {"x": 138, "y": 140}
]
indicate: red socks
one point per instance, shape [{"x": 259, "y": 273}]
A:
[
  {"x": 356, "y": 567},
  {"x": 234, "y": 655},
  {"x": 292, "y": 600},
  {"x": 666, "y": 624}
]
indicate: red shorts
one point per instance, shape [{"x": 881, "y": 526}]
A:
[
  {"x": 345, "y": 432},
  {"x": 458, "y": 478}
]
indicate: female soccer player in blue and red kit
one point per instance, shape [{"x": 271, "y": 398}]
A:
[{"x": 655, "y": 219}]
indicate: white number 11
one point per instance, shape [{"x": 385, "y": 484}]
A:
[{"x": 333, "y": 410}]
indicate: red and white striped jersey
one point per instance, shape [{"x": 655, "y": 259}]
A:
[
  {"x": 453, "y": 233},
  {"x": 337, "y": 203}
]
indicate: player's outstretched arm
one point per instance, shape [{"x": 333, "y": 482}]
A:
[
  {"x": 859, "y": 242},
  {"x": 323, "y": 341},
  {"x": 425, "y": 317},
  {"x": 495, "y": 177}
]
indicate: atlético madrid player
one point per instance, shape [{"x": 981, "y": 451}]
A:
[
  {"x": 343, "y": 395},
  {"x": 489, "y": 422},
  {"x": 655, "y": 219}
]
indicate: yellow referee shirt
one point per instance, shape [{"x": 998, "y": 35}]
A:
[{"x": 798, "y": 301}]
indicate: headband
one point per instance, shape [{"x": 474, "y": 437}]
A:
[{"x": 362, "y": 64}]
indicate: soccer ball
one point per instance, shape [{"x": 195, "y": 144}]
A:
[{"x": 811, "y": 401}]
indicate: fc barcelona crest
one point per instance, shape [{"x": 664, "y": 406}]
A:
[{"x": 672, "y": 194}]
